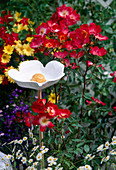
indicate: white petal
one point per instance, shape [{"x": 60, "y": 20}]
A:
[{"x": 54, "y": 70}]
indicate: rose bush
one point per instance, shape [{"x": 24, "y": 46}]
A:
[{"x": 83, "y": 137}]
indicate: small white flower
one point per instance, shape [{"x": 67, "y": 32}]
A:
[
  {"x": 42, "y": 147},
  {"x": 11, "y": 142},
  {"x": 100, "y": 148},
  {"x": 81, "y": 168},
  {"x": 107, "y": 144},
  {"x": 32, "y": 154},
  {"x": 19, "y": 156},
  {"x": 20, "y": 141},
  {"x": 31, "y": 135},
  {"x": 34, "y": 143},
  {"x": 88, "y": 167},
  {"x": 113, "y": 152},
  {"x": 106, "y": 158},
  {"x": 14, "y": 148},
  {"x": 24, "y": 138},
  {"x": 14, "y": 105},
  {"x": 7, "y": 106},
  {"x": 54, "y": 163},
  {"x": 35, "y": 163},
  {"x": 63, "y": 137},
  {"x": 34, "y": 139},
  {"x": 102, "y": 160},
  {"x": 114, "y": 138},
  {"x": 91, "y": 157},
  {"x": 45, "y": 150},
  {"x": 30, "y": 160},
  {"x": 15, "y": 141},
  {"x": 39, "y": 156},
  {"x": 50, "y": 164},
  {"x": 88, "y": 156},
  {"x": 23, "y": 160},
  {"x": 50, "y": 159},
  {"x": 55, "y": 159},
  {"x": 113, "y": 142},
  {"x": 35, "y": 148},
  {"x": 9, "y": 156},
  {"x": 18, "y": 152},
  {"x": 49, "y": 168}
]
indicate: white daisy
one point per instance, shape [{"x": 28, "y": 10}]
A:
[
  {"x": 88, "y": 167},
  {"x": 23, "y": 160},
  {"x": 91, "y": 157},
  {"x": 100, "y": 148},
  {"x": 30, "y": 160},
  {"x": 106, "y": 158},
  {"x": 20, "y": 141},
  {"x": 88, "y": 156},
  {"x": 50, "y": 159},
  {"x": 39, "y": 156},
  {"x": 24, "y": 138},
  {"x": 42, "y": 147},
  {"x": 49, "y": 168},
  {"x": 35, "y": 163},
  {"x": 107, "y": 144}
]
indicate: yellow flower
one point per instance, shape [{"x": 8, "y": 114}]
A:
[
  {"x": 5, "y": 58},
  {"x": 6, "y": 74},
  {"x": 25, "y": 27},
  {"x": 8, "y": 49},
  {"x": 17, "y": 16},
  {"x": 52, "y": 97},
  {"x": 20, "y": 27},
  {"x": 28, "y": 51},
  {"x": 19, "y": 48},
  {"x": 29, "y": 39},
  {"x": 1, "y": 78},
  {"x": 30, "y": 22}
]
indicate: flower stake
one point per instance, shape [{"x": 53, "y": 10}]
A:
[{"x": 41, "y": 133}]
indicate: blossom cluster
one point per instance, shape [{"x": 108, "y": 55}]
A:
[
  {"x": 46, "y": 112},
  {"x": 86, "y": 167},
  {"x": 55, "y": 37},
  {"x": 12, "y": 114},
  {"x": 29, "y": 153},
  {"x": 13, "y": 49},
  {"x": 103, "y": 147}
]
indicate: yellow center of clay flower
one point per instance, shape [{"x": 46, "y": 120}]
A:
[{"x": 38, "y": 78}]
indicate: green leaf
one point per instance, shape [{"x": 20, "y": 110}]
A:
[
  {"x": 69, "y": 155},
  {"x": 82, "y": 101},
  {"x": 86, "y": 148},
  {"x": 80, "y": 144},
  {"x": 78, "y": 150},
  {"x": 89, "y": 113},
  {"x": 67, "y": 163},
  {"x": 76, "y": 140}
]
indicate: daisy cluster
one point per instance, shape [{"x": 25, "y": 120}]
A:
[
  {"x": 55, "y": 38},
  {"x": 14, "y": 46},
  {"x": 27, "y": 155},
  {"x": 103, "y": 147},
  {"x": 86, "y": 167}
]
